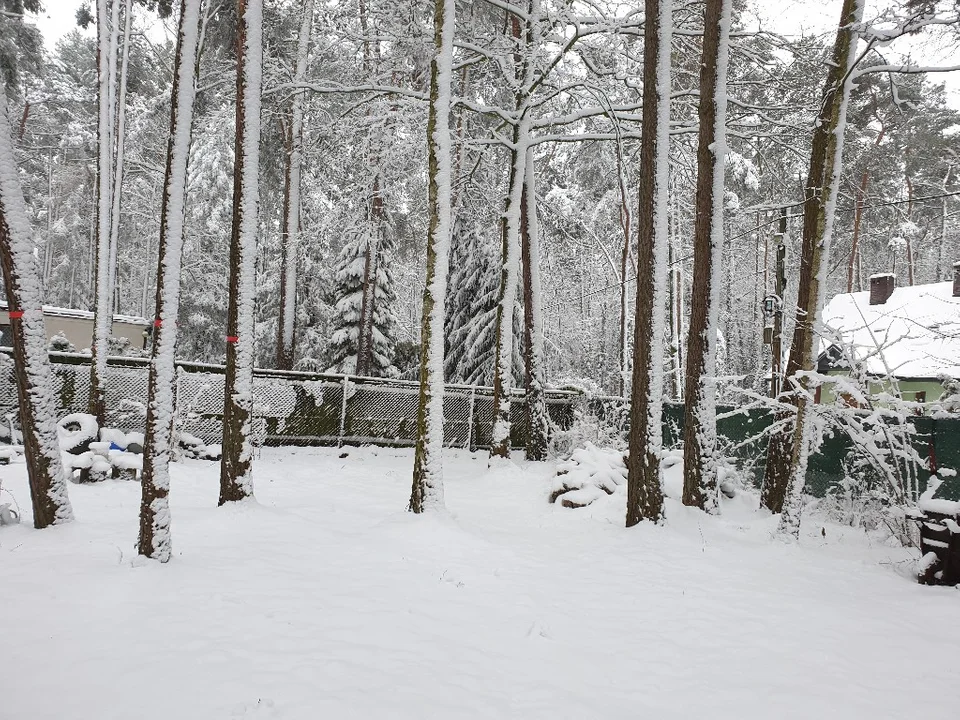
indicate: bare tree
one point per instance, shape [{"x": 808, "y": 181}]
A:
[
  {"x": 236, "y": 481},
  {"x": 699, "y": 419},
  {"x": 154, "y": 539},
  {"x": 103, "y": 306},
  {"x": 427, "y": 491},
  {"x": 534, "y": 378},
  {"x": 789, "y": 448},
  {"x": 21, "y": 276},
  {"x": 644, "y": 487},
  {"x": 291, "y": 201}
]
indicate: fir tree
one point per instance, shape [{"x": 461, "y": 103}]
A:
[{"x": 367, "y": 254}]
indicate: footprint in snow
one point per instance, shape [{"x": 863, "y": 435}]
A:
[{"x": 259, "y": 709}]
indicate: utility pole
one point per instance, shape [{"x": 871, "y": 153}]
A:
[{"x": 780, "y": 281}]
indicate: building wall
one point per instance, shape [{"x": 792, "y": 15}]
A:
[
  {"x": 908, "y": 389},
  {"x": 79, "y": 330}
]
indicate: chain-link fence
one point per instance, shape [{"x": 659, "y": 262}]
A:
[{"x": 291, "y": 408}]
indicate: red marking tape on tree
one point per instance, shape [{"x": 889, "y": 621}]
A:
[
  {"x": 16, "y": 314},
  {"x": 232, "y": 338},
  {"x": 158, "y": 322}
]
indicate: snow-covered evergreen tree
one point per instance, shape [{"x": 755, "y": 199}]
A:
[
  {"x": 364, "y": 261},
  {"x": 470, "y": 325}
]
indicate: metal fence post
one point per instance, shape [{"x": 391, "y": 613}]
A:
[
  {"x": 343, "y": 411},
  {"x": 473, "y": 398}
]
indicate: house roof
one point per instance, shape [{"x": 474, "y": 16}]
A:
[{"x": 914, "y": 334}]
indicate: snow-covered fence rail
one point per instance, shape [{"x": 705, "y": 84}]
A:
[
  {"x": 291, "y": 408},
  {"x": 299, "y": 408}
]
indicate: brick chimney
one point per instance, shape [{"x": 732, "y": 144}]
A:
[
  {"x": 956, "y": 279},
  {"x": 882, "y": 286}
]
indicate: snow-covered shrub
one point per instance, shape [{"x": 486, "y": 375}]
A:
[
  {"x": 595, "y": 420},
  {"x": 588, "y": 474},
  {"x": 60, "y": 343}
]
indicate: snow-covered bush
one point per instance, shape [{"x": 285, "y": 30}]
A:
[
  {"x": 595, "y": 420},
  {"x": 587, "y": 475},
  {"x": 60, "y": 343}
]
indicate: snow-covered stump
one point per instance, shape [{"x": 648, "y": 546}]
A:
[
  {"x": 47, "y": 477},
  {"x": 236, "y": 478},
  {"x": 154, "y": 536},
  {"x": 700, "y": 416},
  {"x": 427, "y": 490}
]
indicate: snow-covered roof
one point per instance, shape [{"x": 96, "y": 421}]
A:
[
  {"x": 914, "y": 334},
  {"x": 82, "y": 314}
]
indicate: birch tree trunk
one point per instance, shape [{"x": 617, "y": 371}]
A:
[
  {"x": 427, "y": 490},
  {"x": 644, "y": 476},
  {"x": 700, "y": 422},
  {"x": 154, "y": 540},
  {"x": 534, "y": 379},
  {"x": 48, "y": 482},
  {"x": 291, "y": 202},
  {"x": 103, "y": 310},
  {"x": 236, "y": 481},
  {"x": 820, "y": 204}
]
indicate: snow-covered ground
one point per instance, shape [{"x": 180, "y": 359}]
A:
[{"x": 324, "y": 599}]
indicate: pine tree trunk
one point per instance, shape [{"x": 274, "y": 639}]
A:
[
  {"x": 45, "y": 472},
  {"x": 154, "y": 540},
  {"x": 787, "y": 451},
  {"x": 699, "y": 420},
  {"x": 507, "y": 296},
  {"x": 291, "y": 202},
  {"x": 103, "y": 310},
  {"x": 427, "y": 490},
  {"x": 857, "y": 218},
  {"x": 371, "y": 269},
  {"x": 119, "y": 146},
  {"x": 236, "y": 481},
  {"x": 644, "y": 481},
  {"x": 534, "y": 380}
]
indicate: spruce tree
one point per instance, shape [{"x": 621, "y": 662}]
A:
[{"x": 363, "y": 275}]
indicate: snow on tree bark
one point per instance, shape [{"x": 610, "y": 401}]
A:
[
  {"x": 45, "y": 472},
  {"x": 427, "y": 491},
  {"x": 820, "y": 204},
  {"x": 509, "y": 272},
  {"x": 154, "y": 539},
  {"x": 236, "y": 482},
  {"x": 103, "y": 308},
  {"x": 644, "y": 481},
  {"x": 511, "y": 253},
  {"x": 291, "y": 201},
  {"x": 700, "y": 422},
  {"x": 534, "y": 380},
  {"x": 119, "y": 147}
]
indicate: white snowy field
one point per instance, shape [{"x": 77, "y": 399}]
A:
[{"x": 325, "y": 599}]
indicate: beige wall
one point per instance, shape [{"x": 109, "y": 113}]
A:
[{"x": 79, "y": 330}]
